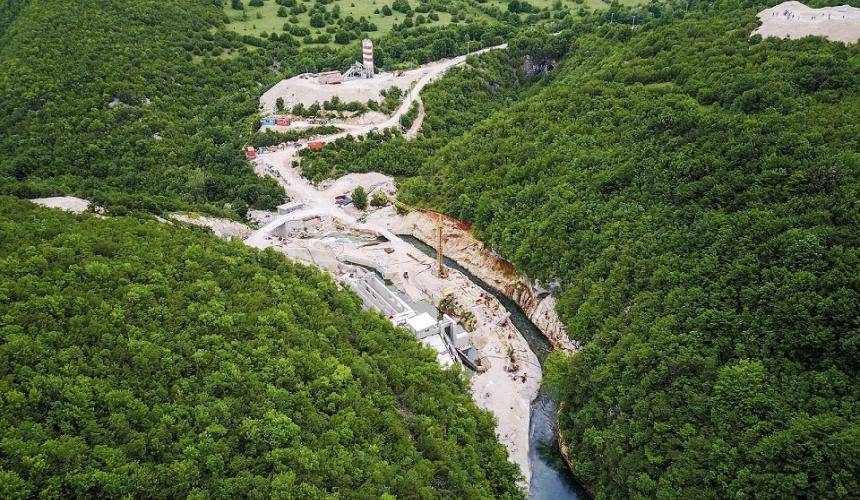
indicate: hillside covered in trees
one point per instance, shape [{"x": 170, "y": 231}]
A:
[
  {"x": 135, "y": 106},
  {"x": 693, "y": 191},
  {"x": 142, "y": 359}
]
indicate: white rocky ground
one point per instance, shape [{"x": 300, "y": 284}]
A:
[
  {"x": 796, "y": 20},
  {"x": 306, "y": 90},
  {"x": 67, "y": 203}
]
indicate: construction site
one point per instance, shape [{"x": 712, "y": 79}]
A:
[
  {"x": 360, "y": 82},
  {"x": 372, "y": 251},
  {"x": 446, "y": 311}
]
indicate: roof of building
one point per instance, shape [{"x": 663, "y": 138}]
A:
[{"x": 421, "y": 322}]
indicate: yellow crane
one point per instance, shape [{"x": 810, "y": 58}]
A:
[{"x": 442, "y": 272}]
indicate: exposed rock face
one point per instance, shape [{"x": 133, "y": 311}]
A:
[
  {"x": 533, "y": 67},
  {"x": 461, "y": 246}
]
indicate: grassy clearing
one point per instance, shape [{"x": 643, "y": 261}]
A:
[
  {"x": 567, "y": 4},
  {"x": 261, "y": 20}
]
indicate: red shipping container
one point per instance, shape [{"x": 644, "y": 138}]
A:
[
  {"x": 252, "y": 153},
  {"x": 283, "y": 123},
  {"x": 315, "y": 145}
]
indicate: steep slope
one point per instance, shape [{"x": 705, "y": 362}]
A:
[
  {"x": 141, "y": 359},
  {"x": 693, "y": 190},
  {"x": 103, "y": 99},
  {"x": 136, "y": 106}
]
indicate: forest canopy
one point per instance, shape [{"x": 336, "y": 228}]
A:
[
  {"x": 148, "y": 360},
  {"x": 134, "y": 105},
  {"x": 694, "y": 193}
]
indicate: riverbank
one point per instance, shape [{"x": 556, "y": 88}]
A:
[
  {"x": 551, "y": 477},
  {"x": 460, "y": 245}
]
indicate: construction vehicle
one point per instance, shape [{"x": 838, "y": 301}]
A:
[{"x": 441, "y": 270}]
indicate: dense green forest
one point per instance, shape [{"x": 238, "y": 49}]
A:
[
  {"x": 694, "y": 192},
  {"x": 145, "y": 360},
  {"x": 134, "y": 106},
  {"x": 691, "y": 190}
]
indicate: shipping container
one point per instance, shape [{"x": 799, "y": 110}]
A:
[
  {"x": 252, "y": 153},
  {"x": 315, "y": 145},
  {"x": 283, "y": 122}
]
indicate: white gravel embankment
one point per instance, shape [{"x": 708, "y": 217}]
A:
[
  {"x": 67, "y": 203},
  {"x": 796, "y": 20}
]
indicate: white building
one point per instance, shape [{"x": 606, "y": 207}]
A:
[{"x": 440, "y": 335}]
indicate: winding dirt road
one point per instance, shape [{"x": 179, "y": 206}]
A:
[{"x": 506, "y": 393}]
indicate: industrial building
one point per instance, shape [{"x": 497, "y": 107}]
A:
[
  {"x": 363, "y": 69},
  {"x": 450, "y": 342}
]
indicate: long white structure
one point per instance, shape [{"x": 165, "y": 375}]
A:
[{"x": 440, "y": 335}]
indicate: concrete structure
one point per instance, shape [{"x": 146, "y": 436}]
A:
[
  {"x": 290, "y": 207},
  {"x": 440, "y": 335},
  {"x": 363, "y": 69},
  {"x": 423, "y": 325}
]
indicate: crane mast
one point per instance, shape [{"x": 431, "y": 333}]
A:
[{"x": 441, "y": 271}]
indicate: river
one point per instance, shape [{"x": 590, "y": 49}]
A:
[{"x": 551, "y": 479}]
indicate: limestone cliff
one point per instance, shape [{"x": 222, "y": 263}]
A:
[{"x": 462, "y": 247}]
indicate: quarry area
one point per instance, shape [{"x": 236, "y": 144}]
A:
[{"x": 795, "y": 20}]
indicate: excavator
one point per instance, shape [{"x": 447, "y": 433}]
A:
[{"x": 442, "y": 271}]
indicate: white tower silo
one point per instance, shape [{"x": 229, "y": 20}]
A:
[{"x": 367, "y": 57}]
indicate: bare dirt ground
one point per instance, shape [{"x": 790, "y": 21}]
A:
[
  {"x": 416, "y": 125},
  {"x": 318, "y": 235},
  {"x": 67, "y": 203},
  {"x": 223, "y": 228},
  {"x": 470, "y": 253},
  {"x": 261, "y": 217},
  {"x": 305, "y": 89},
  {"x": 796, "y": 20}
]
